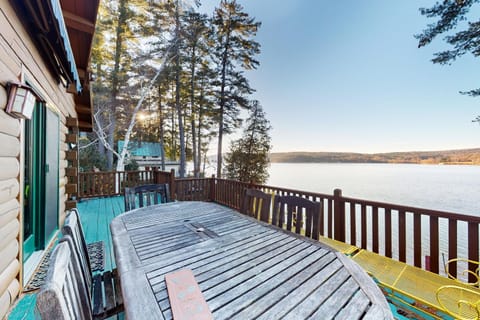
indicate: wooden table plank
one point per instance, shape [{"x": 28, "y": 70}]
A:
[
  {"x": 309, "y": 305},
  {"x": 288, "y": 291},
  {"x": 295, "y": 297},
  {"x": 244, "y": 268},
  {"x": 336, "y": 302},
  {"x": 216, "y": 265},
  {"x": 188, "y": 257},
  {"x": 356, "y": 308},
  {"x": 227, "y": 304},
  {"x": 240, "y": 273}
]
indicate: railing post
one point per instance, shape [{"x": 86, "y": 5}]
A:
[
  {"x": 173, "y": 190},
  {"x": 212, "y": 188},
  {"x": 155, "y": 175},
  {"x": 338, "y": 216}
]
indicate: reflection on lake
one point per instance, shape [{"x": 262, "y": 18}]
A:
[{"x": 440, "y": 187}]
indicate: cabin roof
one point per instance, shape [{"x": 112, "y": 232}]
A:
[
  {"x": 63, "y": 31},
  {"x": 142, "y": 149},
  {"x": 80, "y": 17}
]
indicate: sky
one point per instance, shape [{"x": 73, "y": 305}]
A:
[{"x": 347, "y": 76}]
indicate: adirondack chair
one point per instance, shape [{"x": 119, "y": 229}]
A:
[
  {"x": 256, "y": 204},
  {"x": 305, "y": 214},
  {"x": 103, "y": 287},
  {"x": 146, "y": 195}
]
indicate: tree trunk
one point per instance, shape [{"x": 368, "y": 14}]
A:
[
  {"x": 222, "y": 103},
  {"x": 120, "y": 30},
  {"x": 161, "y": 132},
  {"x": 181, "y": 128},
  {"x": 195, "y": 156}
]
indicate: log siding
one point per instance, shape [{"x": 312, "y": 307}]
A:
[{"x": 21, "y": 61}]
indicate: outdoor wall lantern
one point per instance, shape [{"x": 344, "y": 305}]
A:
[{"x": 21, "y": 100}]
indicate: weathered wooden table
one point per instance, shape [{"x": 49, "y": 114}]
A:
[{"x": 246, "y": 269}]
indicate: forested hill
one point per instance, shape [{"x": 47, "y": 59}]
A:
[{"x": 465, "y": 156}]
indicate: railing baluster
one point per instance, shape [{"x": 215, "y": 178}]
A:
[
  {"x": 472, "y": 250},
  {"x": 452, "y": 246},
  {"x": 402, "y": 236},
  {"x": 375, "y": 229},
  {"x": 364, "y": 226},
  {"x": 388, "y": 232},
  {"x": 353, "y": 223},
  {"x": 322, "y": 217},
  {"x": 417, "y": 239},
  {"x": 330, "y": 219},
  {"x": 434, "y": 244}
]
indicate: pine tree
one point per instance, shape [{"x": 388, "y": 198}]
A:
[
  {"x": 248, "y": 158},
  {"x": 234, "y": 51},
  {"x": 450, "y": 13}
]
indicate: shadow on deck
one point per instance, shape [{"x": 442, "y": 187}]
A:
[{"x": 96, "y": 215}]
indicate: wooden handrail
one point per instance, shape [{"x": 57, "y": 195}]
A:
[{"x": 413, "y": 235}]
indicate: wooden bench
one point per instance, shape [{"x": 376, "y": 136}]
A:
[
  {"x": 65, "y": 292},
  {"x": 103, "y": 288}
]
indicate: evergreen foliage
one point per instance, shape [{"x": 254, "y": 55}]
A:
[
  {"x": 234, "y": 51},
  {"x": 248, "y": 158},
  {"x": 89, "y": 157},
  {"x": 452, "y": 15},
  {"x": 201, "y": 88}
]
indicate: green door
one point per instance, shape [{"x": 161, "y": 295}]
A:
[{"x": 40, "y": 220}]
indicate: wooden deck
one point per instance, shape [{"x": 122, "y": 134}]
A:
[
  {"x": 245, "y": 269},
  {"x": 96, "y": 215}
]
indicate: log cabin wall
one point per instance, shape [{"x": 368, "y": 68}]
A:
[{"x": 21, "y": 61}]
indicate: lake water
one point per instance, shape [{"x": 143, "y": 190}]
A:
[{"x": 452, "y": 188}]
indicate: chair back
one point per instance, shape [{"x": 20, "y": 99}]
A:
[
  {"x": 146, "y": 195},
  {"x": 256, "y": 204},
  {"x": 64, "y": 294},
  {"x": 288, "y": 210},
  {"x": 73, "y": 228}
]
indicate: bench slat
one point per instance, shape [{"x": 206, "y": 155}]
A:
[
  {"x": 97, "y": 295},
  {"x": 109, "y": 292},
  {"x": 118, "y": 288}
]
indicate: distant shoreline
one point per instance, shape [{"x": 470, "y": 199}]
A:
[{"x": 447, "y": 157}]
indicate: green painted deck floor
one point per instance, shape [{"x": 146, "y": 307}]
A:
[{"x": 95, "y": 215}]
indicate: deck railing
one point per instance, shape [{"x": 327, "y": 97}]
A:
[
  {"x": 112, "y": 183},
  {"x": 420, "y": 237},
  {"x": 417, "y": 236}
]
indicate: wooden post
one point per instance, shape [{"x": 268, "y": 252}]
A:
[
  {"x": 339, "y": 216},
  {"x": 212, "y": 188},
  {"x": 155, "y": 176},
  {"x": 172, "y": 184}
]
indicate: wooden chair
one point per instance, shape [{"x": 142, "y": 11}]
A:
[
  {"x": 303, "y": 212},
  {"x": 147, "y": 195},
  {"x": 104, "y": 287},
  {"x": 257, "y": 204},
  {"x": 64, "y": 294}
]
